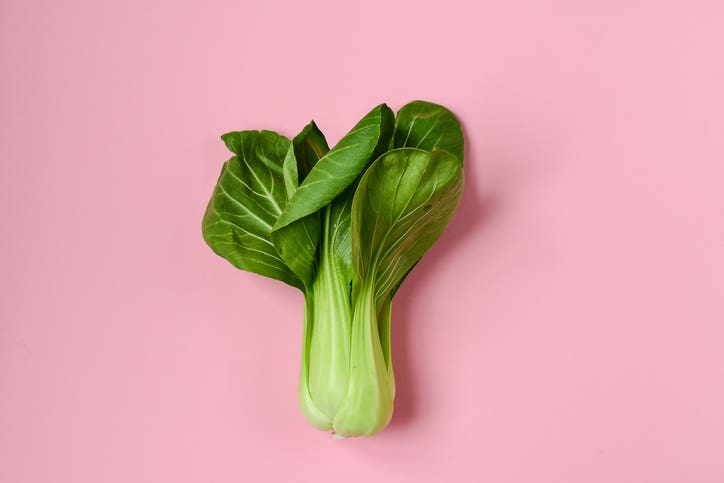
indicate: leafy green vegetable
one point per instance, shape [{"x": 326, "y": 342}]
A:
[
  {"x": 345, "y": 226},
  {"x": 247, "y": 201},
  {"x": 297, "y": 242},
  {"x": 428, "y": 126}
]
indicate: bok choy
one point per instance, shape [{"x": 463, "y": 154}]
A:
[{"x": 345, "y": 226}]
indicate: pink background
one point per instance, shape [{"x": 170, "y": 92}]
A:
[{"x": 568, "y": 327}]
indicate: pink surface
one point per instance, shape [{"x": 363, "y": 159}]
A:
[{"x": 569, "y": 327}]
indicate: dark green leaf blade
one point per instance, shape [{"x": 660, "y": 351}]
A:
[
  {"x": 342, "y": 165},
  {"x": 247, "y": 201},
  {"x": 427, "y": 126},
  {"x": 297, "y": 242},
  {"x": 340, "y": 233},
  {"x": 310, "y": 146},
  {"x": 402, "y": 205}
]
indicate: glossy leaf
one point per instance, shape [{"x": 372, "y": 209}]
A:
[
  {"x": 428, "y": 126},
  {"x": 297, "y": 242},
  {"x": 401, "y": 207},
  {"x": 247, "y": 201},
  {"x": 342, "y": 165}
]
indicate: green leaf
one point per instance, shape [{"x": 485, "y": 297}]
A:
[
  {"x": 401, "y": 207},
  {"x": 341, "y": 166},
  {"x": 297, "y": 242},
  {"x": 384, "y": 319},
  {"x": 247, "y": 201},
  {"x": 427, "y": 126},
  {"x": 310, "y": 146},
  {"x": 311, "y": 410},
  {"x": 341, "y": 214}
]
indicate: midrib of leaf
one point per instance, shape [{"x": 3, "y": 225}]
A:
[
  {"x": 434, "y": 123},
  {"x": 242, "y": 206},
  {"x": 409, "y": 131},
  {"x": 334, "y": 173},
  {"x": 399, "y": 241},
  {"x": 266, "y": 195},
  {"x": 376, "y": 256},
  {"x": 246, "y": 203},
  {"x": 267, "y": 192},
  {"x": 385, "y": 248},
  {"x": 398, "y": 220}
]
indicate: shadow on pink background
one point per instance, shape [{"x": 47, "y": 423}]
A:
[{"x": 566, "y": 328}]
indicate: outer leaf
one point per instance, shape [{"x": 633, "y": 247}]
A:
[
  {"x": 341, "y": 166},
  {"x": 384, "y": 319},
  {"x": 369, "y": 399},
  {"x": 401, "y": 207},
  {"x": 311, "y": 410},
  {"x": 247, "y": 201},
  {"x": 427, "y": 126},
  {"x": 331, "y": 320},
  {"x": 297, "y": 242},
  {"x": 340, "y": 232}
]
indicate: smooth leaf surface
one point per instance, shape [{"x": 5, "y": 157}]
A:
[
  {"x": 342, "y": 165},
  {"x": 340, "y": 233},
  {"x": 310, "y": 146},
  {"x": 428, "y": 126},
  {"x": 248, "y": 199},
  {"x": 401, "y": 207},
  {"x": 296, "y": 243}
]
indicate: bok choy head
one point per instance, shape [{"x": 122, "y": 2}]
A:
[{"x": 345, "y": 226}]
